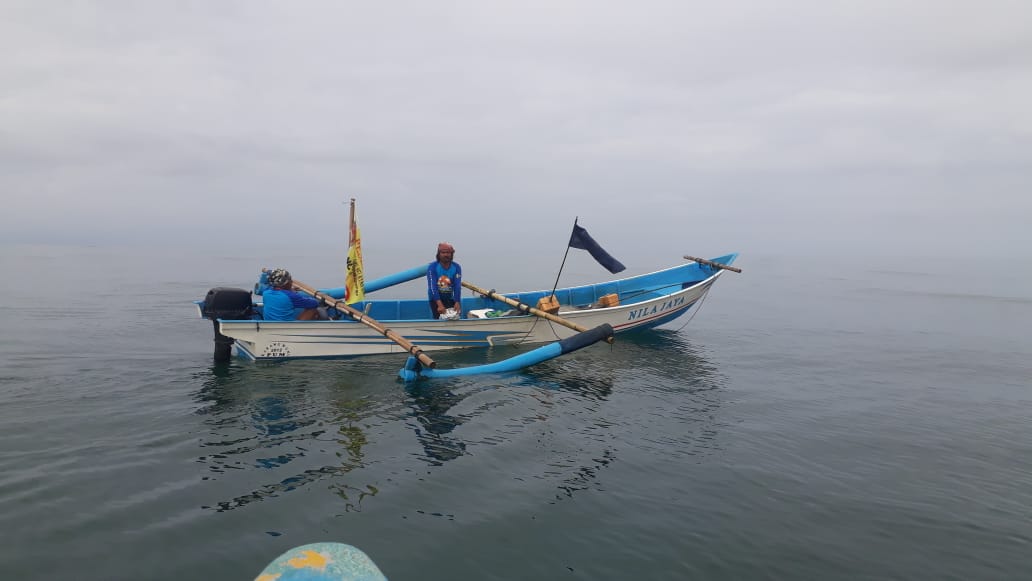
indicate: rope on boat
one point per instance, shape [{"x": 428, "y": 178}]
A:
[
  {"x": 653, "y": 289},
  {"x": 531, "y": 330},
  {"x": 698, "y": 307}
]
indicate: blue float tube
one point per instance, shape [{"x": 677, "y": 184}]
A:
[
  {"x": 383, "y": 282},
  {"x": 414, "y": 370}
]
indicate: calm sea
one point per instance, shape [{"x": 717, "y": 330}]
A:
[{"x": 863, "y": 419}]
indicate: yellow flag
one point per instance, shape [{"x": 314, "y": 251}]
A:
[{"x": 354, "y": 284}]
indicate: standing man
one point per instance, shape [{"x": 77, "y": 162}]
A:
[{"x": 444, "y": 282}]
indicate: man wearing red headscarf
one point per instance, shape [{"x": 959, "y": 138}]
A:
[{"x": 444, "y": 282}]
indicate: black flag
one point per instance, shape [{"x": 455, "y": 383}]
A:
[{"x": 581, "y": 239}]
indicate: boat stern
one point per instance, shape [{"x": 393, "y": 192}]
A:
[{"x": 225, "y": 303}]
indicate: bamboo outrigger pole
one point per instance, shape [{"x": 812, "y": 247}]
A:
[
  {"x": 367, "y": 321},
  {"x": 529, "y": 309},
  {"x": 713, "y": 264}
]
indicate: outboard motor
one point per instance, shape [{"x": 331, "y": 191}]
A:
[{"x": 230, "y": 304}]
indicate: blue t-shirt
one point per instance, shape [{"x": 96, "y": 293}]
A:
[
  {"x": 285, "y": 305},
  {"x": 444, "y": 283}
]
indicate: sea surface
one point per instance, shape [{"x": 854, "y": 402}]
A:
[{"x": 842, "y": 419}]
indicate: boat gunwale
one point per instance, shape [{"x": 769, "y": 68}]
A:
[{"x": 574, "y": 312}]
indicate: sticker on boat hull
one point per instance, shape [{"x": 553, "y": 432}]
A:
[{"x": 276, "y": 349}]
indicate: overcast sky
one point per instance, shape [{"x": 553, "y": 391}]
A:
[{"x": 695, "y": 127}]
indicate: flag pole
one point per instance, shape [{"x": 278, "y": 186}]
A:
[
  {"x": 351, "y": 224},
  {"x": 556, "y": 285},
  {"x": 354, "y": 279}
]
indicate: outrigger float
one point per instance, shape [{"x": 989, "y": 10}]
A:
[{"x": 568, "y": 319}]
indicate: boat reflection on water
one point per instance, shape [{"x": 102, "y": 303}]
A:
[
  {"x": 430, "y": 403},
  {"x": 654, "y": 392},
  {"x": 269, "y": 417},
  {"x": 657, "y": 359},
  {"x": 275, "y": 428}
]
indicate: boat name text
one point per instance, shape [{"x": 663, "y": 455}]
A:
[{"x": 654, "y": 309}]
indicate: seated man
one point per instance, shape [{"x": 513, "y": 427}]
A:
[
  {"x": 282, "y": 302},
  {"x": 444, "y": 282}
]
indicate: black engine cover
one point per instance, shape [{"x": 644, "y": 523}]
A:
[{"x": 227, "y": 303}]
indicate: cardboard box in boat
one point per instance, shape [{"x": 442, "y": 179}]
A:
[
  {"x": 548, "y": 304},
  {"x": 608, "y": 300}
]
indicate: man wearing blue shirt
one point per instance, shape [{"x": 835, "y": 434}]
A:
[
  {"x": 444, "y": 282},
  {"x": 282, "y": 303}
]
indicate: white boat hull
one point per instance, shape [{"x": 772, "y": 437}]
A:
[{"x": 269, "y": 340}]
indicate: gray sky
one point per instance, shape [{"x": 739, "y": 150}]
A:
[{"x": 688, "y": 127}]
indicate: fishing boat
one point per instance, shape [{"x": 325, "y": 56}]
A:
[{"x": 490, "y": 318}]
